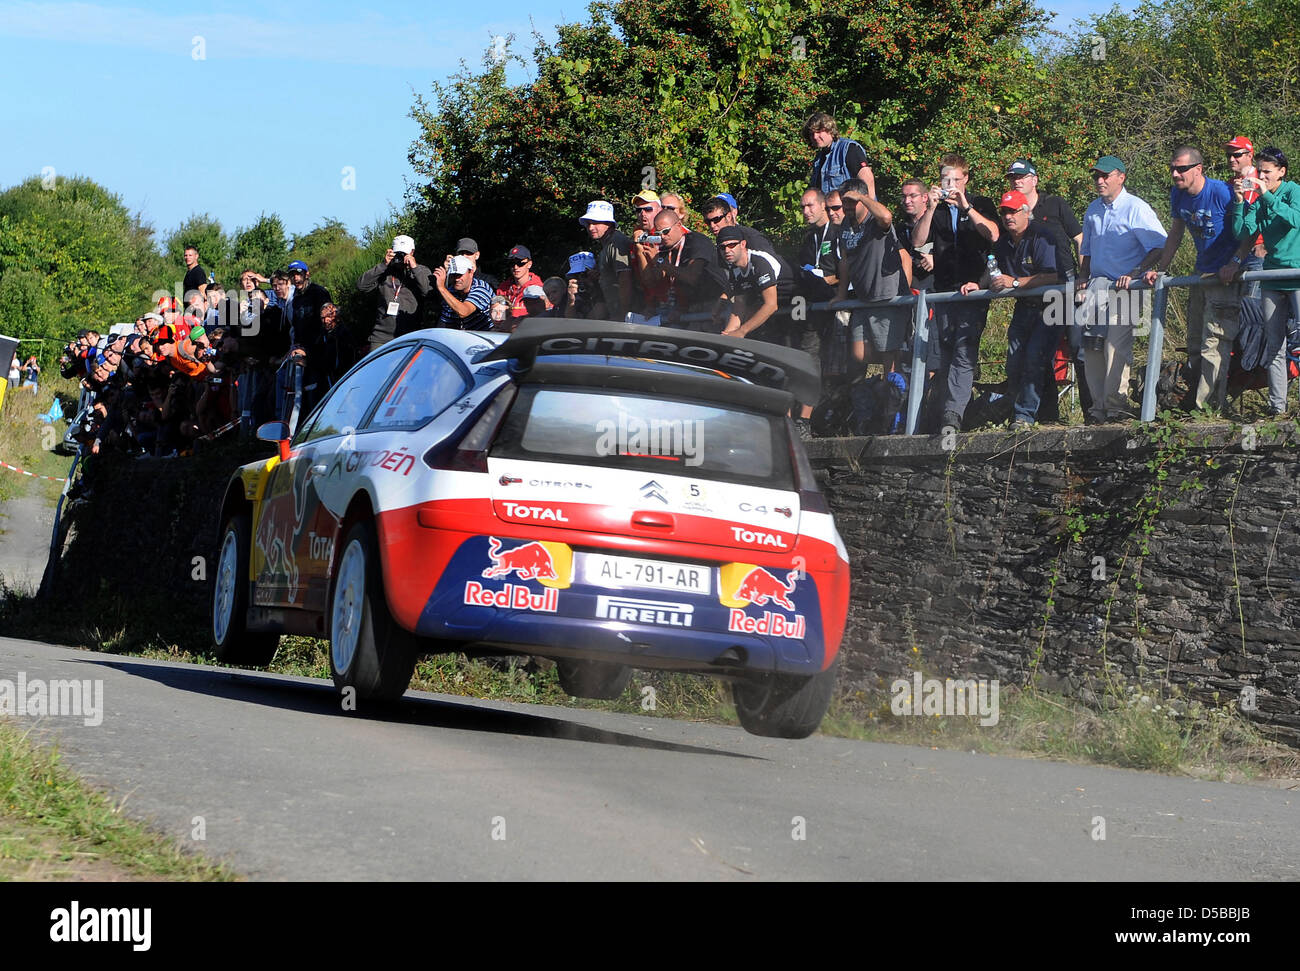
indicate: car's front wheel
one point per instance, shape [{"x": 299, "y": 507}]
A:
[
  {"x": 369, "y": 652},
  {"x": 232, "y": 642},
  {"x": 784, "y": 706}
]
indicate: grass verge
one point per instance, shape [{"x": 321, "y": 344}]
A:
[{"x": 54, "y": 827}]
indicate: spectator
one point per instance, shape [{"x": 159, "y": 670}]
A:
[
  {"x": 963, "y": 230},
  {"x": 303, "y": 314},
  {"x": 15, "y": 371},
  {"x": 837, "y": 159},
  {"x": 870, "y": 256},
  {"x": 521, "y": 277},
  {"x": 465, "y": 298},
  {"x": 330, "y": 356},
  {"x": 686, "y": 271},
  {"x": 1055, "y": 213},
  {"x": 719, "y": 214},
  {"x": 402, "y": 285},
  {"x": 31, "y": 374},
  {"x": 555, "y": 287},
  {"x": 1275, "y": 215},
  {"x": 499, "y": 311},
  {"x": 647, "y": 204},
  {"x": 1121, "y": 238},
  {"x": 196, "y": 278},
  {"x": 536, "y": 303},
  {"x": 672, "y": 202},
  {"x": 581, "y": 298},
  {"x": 913, "y": 207},
  {"x": 1026, "y": 254},
  {"x": 1204, "y": 206},
  {"x": 835, "y": 207},
  {"x": 613, "y": 259},
  {"x": 1241, "y": 161},
  {"x": 252, "y": 301},
  {"x": 465, "y": 246},
  {"x": 760, "y": 284}
]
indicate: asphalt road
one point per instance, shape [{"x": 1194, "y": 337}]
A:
[
  {"x": 288, "y": 787},
  {"x": 25, "y": 526}
]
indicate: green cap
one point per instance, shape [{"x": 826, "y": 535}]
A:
[{"x": 1109, "y": 163}]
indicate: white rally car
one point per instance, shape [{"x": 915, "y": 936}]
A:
[{"x": 608, "y": 495}]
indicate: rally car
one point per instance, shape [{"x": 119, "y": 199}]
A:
[{"x": 608, "y": 495}]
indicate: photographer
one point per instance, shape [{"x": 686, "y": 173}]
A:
[{"x": 402, "y": 285}]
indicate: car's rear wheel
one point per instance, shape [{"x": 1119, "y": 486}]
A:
[
  {"x": 592, "y": 679},
  {"x": 784, "y": 706},
  {"x": 368, "y": 651},
  {"x": 232, "y": 642}
]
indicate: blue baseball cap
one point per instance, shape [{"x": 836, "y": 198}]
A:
[
  {"x": 298, "y": 265},
  {"x": 729, "y": 199}
]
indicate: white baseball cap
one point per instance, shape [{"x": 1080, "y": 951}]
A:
[
  {"x": 599, "y": 211},
  {"x": 461, "y": 264},
  {"x": 403, "y": 244},
  {"x": 533, "y": 290}
]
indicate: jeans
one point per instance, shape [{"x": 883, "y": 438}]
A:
[
  {"x": 1279, "y": 307},
  {"x": 1031, "y": 345},
  {"x": 1213, "y": 320},
  {"x": 953, "y": 354}
]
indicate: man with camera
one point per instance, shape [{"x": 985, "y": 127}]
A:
[
  {"x": 466, "y": 300},
  {"x": 402, "y": 285}
]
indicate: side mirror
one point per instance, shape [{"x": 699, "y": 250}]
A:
[{"x": 278, "y": 432}]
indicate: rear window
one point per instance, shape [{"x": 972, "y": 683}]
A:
[{"x": 630, "y": 431}]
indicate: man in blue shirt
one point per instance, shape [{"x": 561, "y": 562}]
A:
[
  {"x": 1121, "y": 238},
  {"x": 1203, "y": 205}
]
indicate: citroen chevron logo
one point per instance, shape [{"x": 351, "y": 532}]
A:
[{"x": 651, "y": 491}]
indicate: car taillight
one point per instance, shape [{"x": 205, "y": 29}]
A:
[
  {"x": 810, "y": 495},
  {"x": 471, "y": 454}
]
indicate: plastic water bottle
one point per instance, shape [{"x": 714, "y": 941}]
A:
[{"x": 992, "y": 263}]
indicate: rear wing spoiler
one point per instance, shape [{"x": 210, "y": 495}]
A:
[{"x": 766, "y": 364}]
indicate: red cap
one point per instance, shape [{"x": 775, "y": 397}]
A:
[
  {"x": 166, "y": 303},
  {"x": 1240, "y": 141},
  {"x": 1013, "y": 200},
  {"x": 164, "y": 334}
]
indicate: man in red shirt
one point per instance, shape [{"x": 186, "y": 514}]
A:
[{"x": 521, "y": 277}]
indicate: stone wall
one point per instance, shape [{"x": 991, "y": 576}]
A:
[{"x": 1171, "y": 552}]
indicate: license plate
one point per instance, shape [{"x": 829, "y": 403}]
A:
[{"x": 629, "y": 572}]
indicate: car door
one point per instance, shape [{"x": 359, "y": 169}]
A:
[{"x": 298, "y": 530}]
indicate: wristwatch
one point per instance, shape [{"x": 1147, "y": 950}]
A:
[{"x": 1015, "y": 282}]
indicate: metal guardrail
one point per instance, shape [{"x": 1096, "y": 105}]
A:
[{"x": 923, "y": 301}]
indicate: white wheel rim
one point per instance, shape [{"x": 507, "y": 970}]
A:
[
  {"x": 349, "y": 591},
  {"x": 223, "y": 604}
]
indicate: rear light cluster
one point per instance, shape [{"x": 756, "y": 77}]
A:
[
  {"x": 810, "y": 494},
  {"x": 472, "y": 452}
]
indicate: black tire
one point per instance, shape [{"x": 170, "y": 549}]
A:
[
  {"x": 232, "y": 642},
  {"x": 369, "y": 652},
  {"x": 782, "y": 706},
  {"x": 593, "y": 679}
]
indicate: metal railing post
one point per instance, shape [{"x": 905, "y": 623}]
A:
[
  {"x": 920, "y": 347},
  {"x": 1155, "y": 349}
]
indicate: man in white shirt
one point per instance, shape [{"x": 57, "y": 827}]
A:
[{"x": 1122, "y": 238}]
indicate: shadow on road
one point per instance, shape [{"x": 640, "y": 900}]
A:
[{"x": 321, "y": 699}]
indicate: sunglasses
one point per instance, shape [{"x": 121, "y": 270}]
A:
[
  {"x": 645, "y": 208},
  {"x": 714, "y": 219},
  {"x": 519, "y": 262},
  {"x": 731, "y": 244},
  {"x": 835, "y": 208},
  {"x": 1180, "y": 169},
  {"x": 1238, "y": 154},
  {"x": 464, "y": 252},
  {"x": 670, "y": 208}
]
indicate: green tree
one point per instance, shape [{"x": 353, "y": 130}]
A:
[
  {"x": 71, "y": 256},
  {"x": 703, "y": 96},
  {"x": 261, "y": 246}
]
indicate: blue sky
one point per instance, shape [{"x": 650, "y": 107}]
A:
[{"x": 284, "y": 99}]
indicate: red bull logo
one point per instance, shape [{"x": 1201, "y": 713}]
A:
[
  {"x": 758, "y": 587},
  {"x": 513, "y": 597},
  {"x": 771, "y": 623},
  {"x": 532, "y": 561}
]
